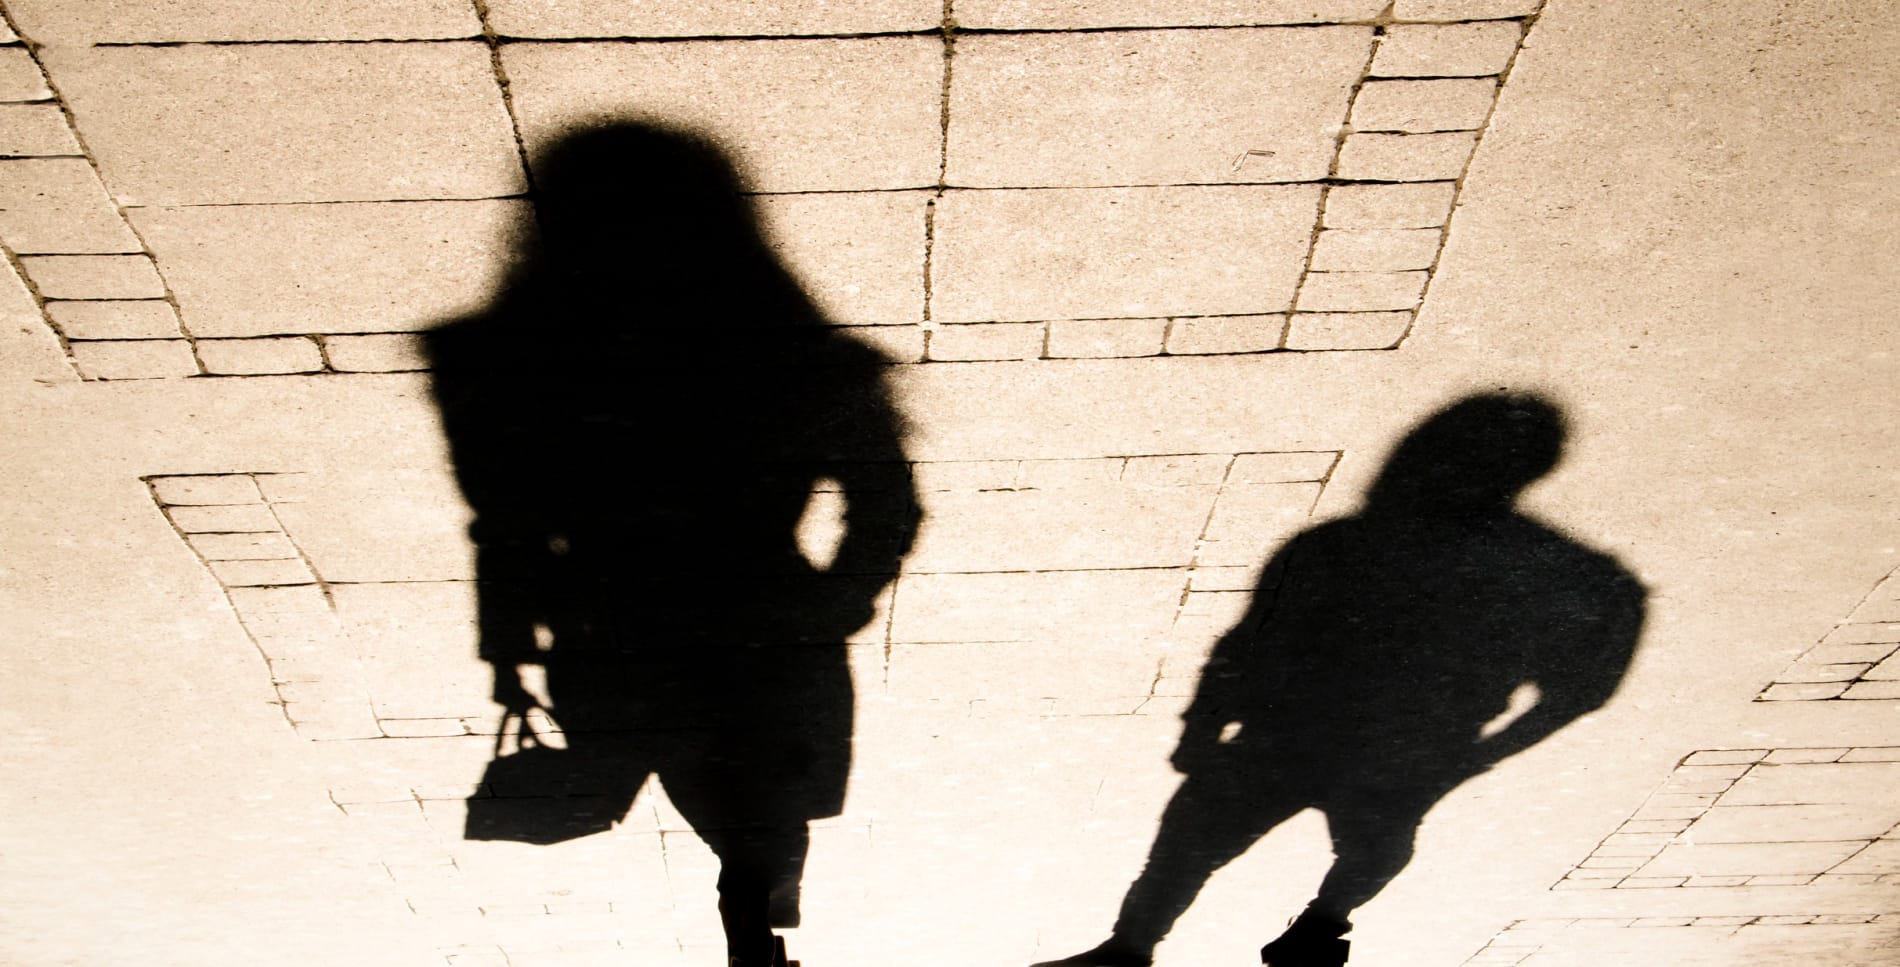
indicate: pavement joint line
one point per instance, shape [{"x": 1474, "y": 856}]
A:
[
  {"x": 621, "y": 38},
  {"x": 493, "y": 42},
  {"x": 151, "y": 488},
  {"x": 1526, "y": 24},
  {"x": 32, "y": 49},
  {"x": 946, "y": 32},
  {"x": 1639, "y": 845},
  {"x": 1790, "y": 676},
  {"x": 40, "y": 301},
  {"x": 1513, "y": 937},
  {"x": 1343, "y": 132}
]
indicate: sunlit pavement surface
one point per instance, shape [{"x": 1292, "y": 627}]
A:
[{"x": 1164, "y": 283}]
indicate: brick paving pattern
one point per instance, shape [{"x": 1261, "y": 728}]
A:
[
  {"x": 1758, "y": 817},
  {"x": 1858, "y": 660},
  {"x": 356, "y": 650},
  {"x": 1230, "y": 178},
  {"x": 379, "y": 644},
  {"x": 1845, "y": 939}
]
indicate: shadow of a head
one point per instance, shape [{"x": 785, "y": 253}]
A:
[{"x": 1474, "y": 456}]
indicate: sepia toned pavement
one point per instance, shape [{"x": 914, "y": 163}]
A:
[{"x": 1163, "y": 284}]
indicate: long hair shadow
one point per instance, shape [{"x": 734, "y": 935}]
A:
[
  {"x": 1387, "y": 657},
  {"x": 638, "y": 421}
]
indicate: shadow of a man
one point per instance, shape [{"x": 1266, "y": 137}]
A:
[
  {"x": 1378, "y": 668},
  {"x": 638, "y": 422}
]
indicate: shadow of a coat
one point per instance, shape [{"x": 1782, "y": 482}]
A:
[{"x": 638, "y": 421}]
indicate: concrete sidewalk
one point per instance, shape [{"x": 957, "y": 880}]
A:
[{"x": 1164, "y": 283}]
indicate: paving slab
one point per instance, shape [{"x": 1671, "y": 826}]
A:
[
  {"x": 679, "y": 18},
  {"x": 1866, "y": 783},
  {"x": 20, "y": 77},
  {"x": 253, "y": 357},
  {"x": 29, "y": 349},
  {"x": 209, "y": 124},
  {"x": 270, "y": 269},
  {"x": 1455, "y": 10},
  {"x": 93, "y": 276},
  {"x": 859, "y": 255},
  {"x": 1035, "y": 606},
  {"x": 1748, "y": 859},
  {"x": 1389, "y": 206},
  {"x": 134, "y": 22},
  {"x": 1226, "y": 334},
  {"x": 1447, "y": 50},
  {"x": 1119, "y": 252},
  {"x": 142, "y": 359},
  {"x": 418, "y": 536},
  {"x": 1150, "y": 107},
  {"x": 1106, "y": 337},
  {"x": 1084, "y": 14},
  {"x": 992, "y": 530},
  {"x": 1423, "y": 106},
  {"x": 35, "y": 129},
  {"x": 1405, "y": 157},
  {"x": 988, "y": 341},
  {"x": 121, "y": 319},
  {"x": 1754, "y": 824},
  {"x": 57, "y": 205},
  {"x": 799, "y": 115}
]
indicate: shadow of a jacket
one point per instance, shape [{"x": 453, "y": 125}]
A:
[
  {"x": 638, "y": 421},
  {"x": 1378, "y": 667}
]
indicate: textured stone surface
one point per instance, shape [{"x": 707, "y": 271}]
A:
[
  {"x": 1405, "y": 157},
  {"x": 20, "y": 79},
  {"x": 1005, "y": 340},
  {"x": 860, "y": 256},
  {"x": 291, "y": 122},
  {"x": 123, "y": 319},
  {"x": 1389, "y": 206},
  {"x": 1226, "y": 334},
  {"x": 206, "y": 490},
  {"x": 1360, "y": 291},
  {"x": 1159, "y": 107},
  {"x": 1375, "y": 250},
  {"x": 35, "y": 129},
  {"x": 800, "y": 115},
  {"x": 28, "y": 348},
  {"x": 582, "y": 18},
  {"x": 1073, "y": 14},
  {"x": 93, "y": 276},
  {"x": 899, "y": 344},
  {"x": 248, "y": 357},
  {"x": 262, "y": 270},
  {"x": 1103, "y": 253},
  {"x": 136, "y": 22},
  {"x": 1420, "y": 106},
  {"x": 1446, "y": 50},
  {"x": 1106, "y": 337},
  {"x": 377, "y": 353},
  {"x": 1452, "y": 10},
  {"x": 1346, "y": 330},
  {"x": 57, "y": 205},
  {"x": 146, "y": 359}
]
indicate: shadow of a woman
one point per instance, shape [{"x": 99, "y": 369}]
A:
[
  {"x": 638, "y": 421},
  {"x": 1379, "y": 667}
]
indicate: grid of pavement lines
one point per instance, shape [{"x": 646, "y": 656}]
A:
[
  {"x": 1858, "y": 659},
  {"x": 349, "y": 654},
  {"x": 1844, "y": 938},
  {"x": 196, "y": 190},
  {"x": 1758, "y": 817}
]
